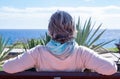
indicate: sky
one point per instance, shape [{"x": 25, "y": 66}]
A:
[{"x": 35, "y": 14}]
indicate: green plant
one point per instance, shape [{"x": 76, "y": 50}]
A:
[
  {"x": 45, "y": 40},
  {"x": 3, "y": 50},
  {"x": 114, "y": 49},
  {"x": 1, "y": 69},
  {"x": 34, "y": 42},
  {"x": 30, "y": 44},
  {"x": 118, "y": 46},
  {"x": 88, "y": 36}
]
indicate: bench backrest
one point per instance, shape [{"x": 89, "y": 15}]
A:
[{"x": 56, "y": 75}]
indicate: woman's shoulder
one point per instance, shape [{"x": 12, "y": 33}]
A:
[
  {"x": 85, "y": 50},
  {"x": 36, "y": 49},
  {"x": 81, "y": 48}
]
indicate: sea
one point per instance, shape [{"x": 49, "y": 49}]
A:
[{"x": 15, "y": 35}]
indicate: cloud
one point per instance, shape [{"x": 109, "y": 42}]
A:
[
  {"x": 91, "y": 10},
  {"x": 38, "y": 16},
  {"x": 88, "y": 0}
]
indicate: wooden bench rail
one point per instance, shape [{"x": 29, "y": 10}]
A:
[{"x": 56, "y": 75}]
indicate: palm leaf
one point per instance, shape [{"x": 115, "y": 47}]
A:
[
  {"x": 96, "y": 38},
  {"x": 3, "y": 45},
  {"x": 102, "y": 44},
  {"x": 88, "y": 36},
  {"x": 94, "y": 33}
]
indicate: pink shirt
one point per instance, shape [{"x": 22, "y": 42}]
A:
[{"x": 40, "y": 58}]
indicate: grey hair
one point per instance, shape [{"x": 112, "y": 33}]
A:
[{"x": 61, "y": 27}]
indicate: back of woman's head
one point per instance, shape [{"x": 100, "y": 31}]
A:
[{"x": 61, "y": 27}]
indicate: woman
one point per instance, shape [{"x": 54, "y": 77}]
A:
[{"x": 62, "y": 53}]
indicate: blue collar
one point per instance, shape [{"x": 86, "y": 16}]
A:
[{"x": 58, "y": 49}]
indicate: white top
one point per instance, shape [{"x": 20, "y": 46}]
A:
[{"x": 40, "y": 58}]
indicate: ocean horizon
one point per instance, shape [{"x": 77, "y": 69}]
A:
[{"x": 15, "y": 35}]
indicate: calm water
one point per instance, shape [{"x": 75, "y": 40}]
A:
[
  {"x": 110, "y": 35},
  {"x": 21, "y": 35}
]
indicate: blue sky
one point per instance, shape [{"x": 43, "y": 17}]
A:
[{"x": 35, "y": 14}]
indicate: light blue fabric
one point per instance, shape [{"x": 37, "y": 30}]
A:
[{"x": 59, "y": 49}]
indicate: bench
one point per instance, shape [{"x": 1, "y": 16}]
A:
[{"x": 57, "y": 75}]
